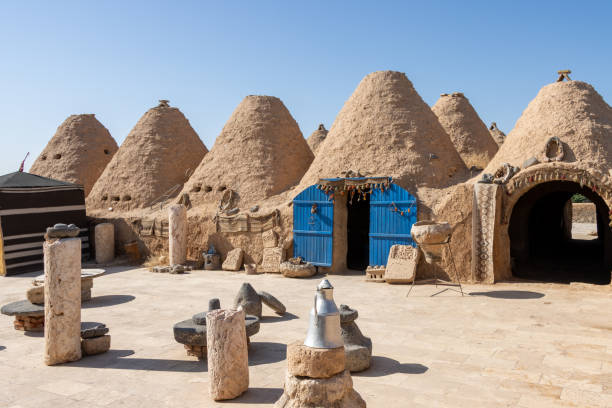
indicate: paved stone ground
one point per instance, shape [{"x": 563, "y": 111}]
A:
[{"x": 507, "y": 345}]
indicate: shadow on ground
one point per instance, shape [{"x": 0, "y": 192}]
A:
[
  {"x": 265, "y": 352},
  {"x": 34, "y": 333},
  {"x": 258, "y": 396},
  {"x": 119, "y": 360},
  {"x": 2, "y": 348},
  {"x": 509, "y": 294},
  {"x": 382, "y": 366},
  {"x": 274, "y": 319},
  {"x": 107, "y": 300}
]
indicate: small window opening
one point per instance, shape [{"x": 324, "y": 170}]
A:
[
  {"x": 208, "y": 189},
  {"x": 222, "y": 188},
  {"x": 57, "y": 156}
]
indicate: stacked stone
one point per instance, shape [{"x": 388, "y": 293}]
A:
[
  {"x": 318, "y": 377},
  {"x": 29, "y": 323},
  {"x": 357, "y": 347},
  {"x": 28, "y": 316},
  {"x": 95, "y": 340}
]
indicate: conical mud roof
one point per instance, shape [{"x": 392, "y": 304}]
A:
[
  {"x": 155, "y": 159},
  {"x": 497, "y": 134},
  {"x": 259, "y": 153},
  {"x": 77, "y": 153},
  {"x": 386, "y": 129},
  {"x": 574, "y": 112},
  {"x": 316, "y": 138},
  {"x": 468, "y": 133}
]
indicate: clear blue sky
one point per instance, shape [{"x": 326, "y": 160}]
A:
[{"x": 117, "y": 58}]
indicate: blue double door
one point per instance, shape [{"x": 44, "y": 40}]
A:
[{"x": 392, "y": 213}]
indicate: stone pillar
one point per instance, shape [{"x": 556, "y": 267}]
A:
[
  {"x": 228, "y": 359},
  {"x": 62, "y": 260},
  {"x": 105, "y": 242},
  {"x": 177, "y": 232}
]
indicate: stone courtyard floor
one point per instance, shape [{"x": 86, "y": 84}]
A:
[{"x": 504, "y": 345}]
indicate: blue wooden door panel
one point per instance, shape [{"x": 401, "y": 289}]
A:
[
  {"x": 388, "y": 226},
  {"x": 312, "y": 232}
]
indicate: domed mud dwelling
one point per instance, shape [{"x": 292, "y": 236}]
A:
[
  {"x": 468, "y": 133},
  {"x": 78, "y": 152},
  {"x": 521, "y": 222},
  {"x": 385, "y": 152},
  {"x": 316, "y": 138},
  {"x": 152, "y": 164}
]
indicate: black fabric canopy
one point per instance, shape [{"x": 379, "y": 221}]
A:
[{"x": 28, "y": 205}]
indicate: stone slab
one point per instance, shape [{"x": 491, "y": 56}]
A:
[
  {"x": 270, "y": 239},
  {"x": 95, "y": 345},
  {"x": 402, "y": 264},
  {"x": 85, "y": 274},
  {"x": 312, "y": 362},
  {"x": 272, "y": 258},
  {"x": 104, "y": 239},
  {"x": 22, "y": 308},
  {"x": 233, "y": 261}
]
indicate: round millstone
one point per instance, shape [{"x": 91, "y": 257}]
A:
[
  {"x": 272, "y": 302},
  {"x": 90, "y": 330},
  {"x": 23, "y": 308},
  {"x": 191, "y": 333}
]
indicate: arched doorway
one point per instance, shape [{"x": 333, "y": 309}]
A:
[{"x": 542, "y": 246}]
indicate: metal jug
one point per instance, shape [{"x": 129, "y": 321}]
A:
[{"x": 324, "y": 327}]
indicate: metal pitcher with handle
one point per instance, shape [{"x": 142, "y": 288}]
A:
[{"x": 324, "y": 327}]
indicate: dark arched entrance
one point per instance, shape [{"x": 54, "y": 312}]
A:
[{"x": 541, "y": 244}]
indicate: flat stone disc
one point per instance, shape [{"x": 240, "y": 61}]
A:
[
  {"x": 272, "y": 302},
  {"x": 91, "y": 329},
  {"x": 85, "y": 274},
  {"x": 188, "y": 332},
  {"x": 23, "y": 308}
]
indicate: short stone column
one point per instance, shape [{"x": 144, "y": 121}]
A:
[
  {"x": 62, "y": 259},
  {"x": 177, "y": 232},
  {"x": 228, "y": 359},
  {"x": 104, "y": 235}
]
